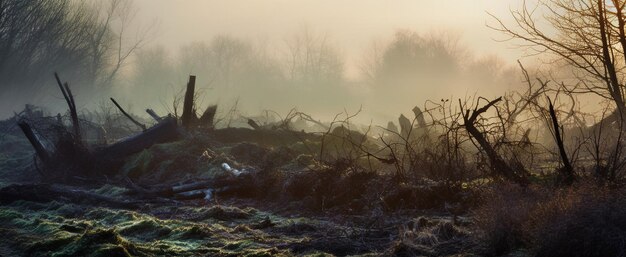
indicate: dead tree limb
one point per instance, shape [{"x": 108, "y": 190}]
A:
[
  {"x": 154, "y": 115},
  {"x": 41, "y": 151},
  {"x": 69, "y": 98},
  {"x": 253, "y": 124},
  {"x": 169, "y": 191},
  {"x": 567, "y": 171},
  {"x": 143, "y": 127},
  {"x": 208, "y": 116},
  {"x": 193, "y": 190},
  {"x": 498, "y": 165},
  {"x": 188, "y": 112},
  {"x": 73, "y": 113},
  {"x": 308, "y": 118},
  {"x": 419, "y": 116},
  {"x": 405, "y": 126}
]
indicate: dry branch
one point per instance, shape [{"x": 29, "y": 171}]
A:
[
  {"x": 498, "y": 165},
  {"x": 154, "y": 115},
  {"x": 567, "y": 171},
  {"x": 69, "y": 98},
  {"x": 143, "y": 127},
  {"x": 41, "y": 151}
]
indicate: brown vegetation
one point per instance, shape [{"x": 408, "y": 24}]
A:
[{"x": 515, "y": 173}]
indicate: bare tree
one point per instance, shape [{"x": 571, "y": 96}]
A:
[
  {"x": 471, "y": 119},
  {"x": 588, "y": 35},
  {"x": 86, "y": 41},
  {"x": 109, "y": 40},
  {"x": 35, "y": 34},
  {"x": 224, "y": 61},
  {"x": 312, "y": 59}
]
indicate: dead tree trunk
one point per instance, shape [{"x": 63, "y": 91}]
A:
[
  {"x": 208, "y": 116},
  {"x": 69, "y": 98},
  {"x": 567, "y": 172},
  {"x": 405, "y": 126},
  {"x": 165, "y": 131},
  {"x": 253, "y": 124},
  {"x": 498, "y": 165},
  {"x": 392, "y": 127},
  {"x": 188, "y": 113},
  {"x": 154, "y": 115},
  {"x": 41, "y": 151},
  {"x": 419, "y": 116}
]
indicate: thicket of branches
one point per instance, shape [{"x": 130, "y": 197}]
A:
[{"x": 87, "y": 41}]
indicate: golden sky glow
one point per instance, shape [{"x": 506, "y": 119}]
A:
[{"x": 351, "y": 24}]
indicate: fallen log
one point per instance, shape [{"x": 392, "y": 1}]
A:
[
  {"x": 206, "y": 194},
  {"x": 43, "y": 193},
  {"x": 202, "y": 189},
  {"x": 195, "y": 194},
  {"x": 190, "y": 187},
  {"x": 183, "y": 190},
  {"x": 165, "y": 131}
]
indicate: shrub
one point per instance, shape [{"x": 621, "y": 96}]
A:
[{"x": 582, "y": 220}]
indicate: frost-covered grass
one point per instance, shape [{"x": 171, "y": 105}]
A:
[
  {"x": 60, "y": 229},
  {"x": 16, "y": 156}
]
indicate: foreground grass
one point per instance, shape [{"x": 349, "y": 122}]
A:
[{"x": 56, "y": 229}]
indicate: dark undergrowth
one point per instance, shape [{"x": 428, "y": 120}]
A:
[
  {"x": 289, "y": 203},
  {"x": 303, "y": 194},
  {"x": 582, "y": 220}
]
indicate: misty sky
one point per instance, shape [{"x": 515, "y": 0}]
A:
[{"x": 351, "y": 24}]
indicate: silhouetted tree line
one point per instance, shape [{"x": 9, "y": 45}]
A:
[
  {"x": 307, "y": 67},
  {"x": 80, "y": 39}
]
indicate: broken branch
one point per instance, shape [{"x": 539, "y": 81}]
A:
[
  {"x": 188, "y": 112},
  {"x": 143, "y": 127},
  {"x": 567, "y": 171}
]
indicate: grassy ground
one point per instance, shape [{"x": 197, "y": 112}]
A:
[
  {"x": 58, "y": 229},
  {"x": 284, "y": 214},
  {"x": 198, "y": 228}
]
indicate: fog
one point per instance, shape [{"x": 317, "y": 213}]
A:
[
  {"x": 352, "y": 24},
  {"x": 382, "y": 57}
]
